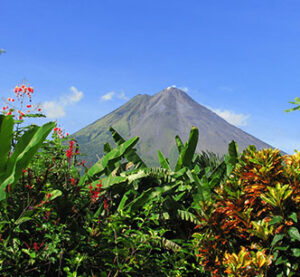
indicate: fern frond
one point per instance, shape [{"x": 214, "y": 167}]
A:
[{"x": 188, "y": 216}]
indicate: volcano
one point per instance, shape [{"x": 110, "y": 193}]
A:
[{"x": 157, "y": 120}]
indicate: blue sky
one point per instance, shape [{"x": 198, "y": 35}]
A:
[{"x": 86, "y": 58}]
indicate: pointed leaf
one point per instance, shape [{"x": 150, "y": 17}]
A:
[
  {"x": 179, "y": 144},
  {"x": 22, "y": 220},
  {"x": 187, "y": 153},
  {"x": 131, "y": 155},
  {"x": 294, "y": 233},
  {"x": 116, "y": 154},
  {"x": 162, "y": 160},
  {"x": 6, "y": 136},
  {"x": 24, "y": 151}
]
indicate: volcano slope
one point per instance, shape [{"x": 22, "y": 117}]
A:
[{"x": 157, "y": 120}]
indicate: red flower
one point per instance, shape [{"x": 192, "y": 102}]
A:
[
  {"x": 95, "y": 192},
  {"x": 69, "y": 152},
  {"x": 105, "y": 205},
  {"x": 36, "y": 247},
  {"x": 28, "y": 106}
]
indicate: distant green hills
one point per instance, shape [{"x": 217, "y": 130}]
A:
[{"x": 157, "y": 120}]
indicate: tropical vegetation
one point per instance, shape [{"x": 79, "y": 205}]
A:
[{"x": 238, "y": 215}]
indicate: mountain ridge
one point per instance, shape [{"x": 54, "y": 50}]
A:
[{"x": 157, "y": 120}]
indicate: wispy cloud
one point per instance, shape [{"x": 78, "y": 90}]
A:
[
  {"x": 122, "y": 96},
  {"x": 76, "y": 96},
  {"x": 56, "y": 108},
  {"x": 112, "y": 94},
  {"x": 186, "y": 89},
  {"x": 237, "y": 119},
  {"x": 108, "y": 96}
]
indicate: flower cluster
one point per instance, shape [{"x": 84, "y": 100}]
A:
[
  {"x": 20, "y": 93},
  {"x": 69, "y": 152},
  {"x": 36, "y": 247},
  {"x": 47, "y": 198},
  {"x": 95, "y": 191},
  {"x": 60, "y": 133}
]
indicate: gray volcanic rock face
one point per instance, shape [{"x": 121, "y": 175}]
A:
[{"x": 157, "y": 120}]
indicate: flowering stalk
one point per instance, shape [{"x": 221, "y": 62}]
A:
[{"x": 95, "y": 191}]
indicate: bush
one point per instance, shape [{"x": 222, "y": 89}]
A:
[{"x": 252, "y": 227}]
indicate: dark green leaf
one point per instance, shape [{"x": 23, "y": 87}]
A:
[
  {"x": 276, "y": 219},
  {"x": 296, "y": 252},
  {"x": 294, "y": 233},
  {"x": 293, "y": 216},
  {"x": 277, "y": 238}
]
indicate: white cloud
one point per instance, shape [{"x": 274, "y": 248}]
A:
[
  {"x": 186, "y": 89},
  {"x": 53, "y": 109},
  {"x": 56, "y": 108},
  {"x": 173, "y": 86},
  {"x": 76, "y": 96},
  {"x": 108, "y": 96},
  {"x": 123, "y": 96},
  {"x": 232, "y": 117}
]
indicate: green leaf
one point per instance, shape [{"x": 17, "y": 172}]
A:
[
  {"x": 114, "y": 155},
  {"x": 22, "y": 220},
  {"x": 281, "y": 260},
  {"x": 35, "y": 115},
  {"x": 123, "y": 201},
  {"x": 24, "y": 151},
  {"x": 188, "y": 151},
  {"x": 294, "y": 233},
  {"x": 107, "y": 148},
  {"x": 296, "y": 102},
  {"x": 296, "y": 252},
  {"x": 187, "y": 216},
  {"x": 281, "y": 248},
  {"x": 54, "y": 194},
  {"x": 6, "y": 136},
  {"x": 179, "y": 143},
  {"x": 131, "y": 154},
  {"x": 293, "y": 216},
  {"x": 162, "y": 160},
  {"x": 276, "y": 219},
  {"x": 232, "y": 157},
  {"x": 139, "y": 201},
  {"x": 277, "y": 238},
  {"x": 111, "y": 180}
]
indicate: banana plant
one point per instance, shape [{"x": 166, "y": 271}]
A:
[
  {"x": 12, "y": 164},
  {"x": 103, "y": 165},
  {"x": 187, "y": 151},
  {"x": 131, "y": 155}
]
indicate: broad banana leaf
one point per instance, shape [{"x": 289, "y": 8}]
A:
[
  {"x": 188, "y": 151},
  {"x": 24, "y": 151},
  {"x": 114, "y": 155}
]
